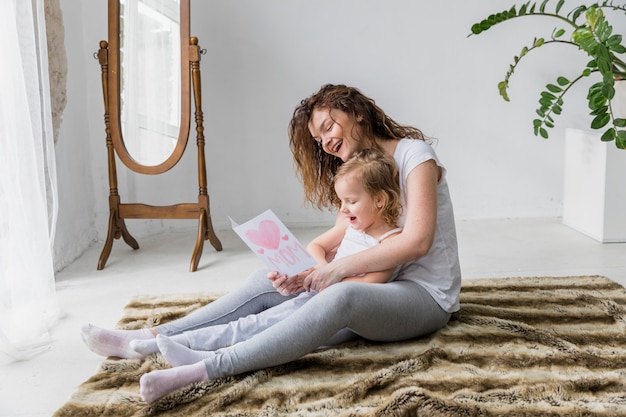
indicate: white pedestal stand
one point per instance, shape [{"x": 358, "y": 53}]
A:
[{"x": 594, "y": 198}]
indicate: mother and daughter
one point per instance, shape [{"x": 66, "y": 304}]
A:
[{"x": 395, "y": 225}]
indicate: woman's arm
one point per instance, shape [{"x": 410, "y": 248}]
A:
[
  {"x": 377, "y": 277},
  {"x": 413, "y": 242}
]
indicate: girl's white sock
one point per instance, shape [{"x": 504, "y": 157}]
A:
[
  {"x": 114, "y": 342},
  {"x": 148, "y": 346},
  {"x": 178, "y": 354}
]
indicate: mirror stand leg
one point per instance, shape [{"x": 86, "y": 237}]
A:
[
  {"x": 117, "y": 228},
  {"x": 197, "y": 252},
  {"x": 210, "y": 235},
  {"x": 130, "y": 241},
  {"x": 205, "y": 232},
  {"x": 108, "y": 244}
]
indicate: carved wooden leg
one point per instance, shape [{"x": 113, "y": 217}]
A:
[
  {"x": 197, "y": 252},
  {"x": 130, "y": 241},
  {"x": 208, "y": 231},
  {"x": 108, "y": 244},
  {"x": 117, "y": 228}
]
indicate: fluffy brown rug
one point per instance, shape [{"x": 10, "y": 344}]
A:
[{"x": 518, "y": 347}]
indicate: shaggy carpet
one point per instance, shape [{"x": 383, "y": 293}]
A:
[{"x": 518, "y": 347}]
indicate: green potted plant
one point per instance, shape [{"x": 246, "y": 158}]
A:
[{"x": 588, "y": 29}]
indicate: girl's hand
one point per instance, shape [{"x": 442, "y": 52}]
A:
[
  {"x": 288, "y": 285},
  {"x": 323, "y": 276}
]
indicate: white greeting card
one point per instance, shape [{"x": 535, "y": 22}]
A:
[{"x": 274, "y": 244}]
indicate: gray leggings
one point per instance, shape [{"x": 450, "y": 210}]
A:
[{"x": 393, "y": 311}]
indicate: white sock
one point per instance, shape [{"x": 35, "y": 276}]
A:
[
  {"x": 107, "y": 342},
  {"x": 177, "y": 354},
  {"x": 156, "y": 384},
  {"x": 148, "y": 346}
]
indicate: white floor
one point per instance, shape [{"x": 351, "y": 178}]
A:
[{"x": 488, "y": 248}]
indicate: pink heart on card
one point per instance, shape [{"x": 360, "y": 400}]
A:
[
  {"x": 286, "y": 237},
  {"x": 267, "y": 236},
  {"x": 261, "y": 251}
]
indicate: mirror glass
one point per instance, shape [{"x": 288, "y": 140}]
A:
[{"x": 150, "y": 78}]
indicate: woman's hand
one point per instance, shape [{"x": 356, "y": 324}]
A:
[
  {"x": 288, "y": 285},
  {"x": 323, "y": 276}
]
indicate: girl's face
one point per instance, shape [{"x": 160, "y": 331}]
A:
[
  {"x": 333, "y": 130},
  {"x": 358, "y": 205}
]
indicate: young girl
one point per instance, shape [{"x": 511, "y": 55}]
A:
[{"x": 369, "y": 202}]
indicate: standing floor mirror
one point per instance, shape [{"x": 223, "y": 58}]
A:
[{"x": 150, "y": 68}]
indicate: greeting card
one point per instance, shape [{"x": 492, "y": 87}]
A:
[{"x": 274, "y": 244}]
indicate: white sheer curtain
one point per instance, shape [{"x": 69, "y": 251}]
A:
[{"x": 28, "y": 201}]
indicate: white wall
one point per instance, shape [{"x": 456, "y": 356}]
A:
[{"x": 413, "y": 57}]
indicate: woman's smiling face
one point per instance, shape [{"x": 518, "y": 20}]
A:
[{"x": 335, "y": 131}]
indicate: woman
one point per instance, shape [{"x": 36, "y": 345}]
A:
[{"x": 326, "y": 130}]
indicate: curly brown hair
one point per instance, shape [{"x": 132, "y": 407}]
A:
[
  {"x": 379, "y": 175},
  {"x": 315, "y": 168}
]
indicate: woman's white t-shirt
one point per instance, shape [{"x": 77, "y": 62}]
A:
[{"x": 438, "y": 271}]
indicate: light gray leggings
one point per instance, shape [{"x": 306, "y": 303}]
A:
[
  {"x": 393, "y": 311},
  {"x": 222, "y": 335}
]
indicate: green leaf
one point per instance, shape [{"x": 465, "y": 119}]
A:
[
  {"x": 608, "y": 136},
  {"x": 558, "y": 33},
  {"x": 522, "y": 9},
  {"x": 559, "y": 5},
  {"x": 562, "y": 81},
  {"x": 595, "y": 89},
  {"x": 603, "y": 30},
  {"x": 502, "y": 86},
  {"x": 546, "y": 102},
  {"x": 477, "y": 28},
  {"x": 544, "y": 133},
  {"x": 592, "y": 15},
  {"x": 596, "y": 102},
  {"x": 553, "y": 88},
  {"x": 619, "y": 122},
  {"x": 599, "y": 110},
  {"x": 608, "y": 91},
  {"x": 578, "y": 11},
  {"x": 614, "y": 40},
  {"x": 620, "y": 139},
  {"x": 600, "y": 121},
  {"x": 549, "y": 96},
  {"x": 538, "y": 42},
  {"x": 542, "y": 8},
  {"x": 618, "y": 49}
]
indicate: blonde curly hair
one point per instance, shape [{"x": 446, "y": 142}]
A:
[{"x": 379, "y": 175}]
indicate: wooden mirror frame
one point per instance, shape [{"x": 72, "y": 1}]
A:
[
  {"x": 115, "y": 93},
  {"x": 108, "y": 57}
]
